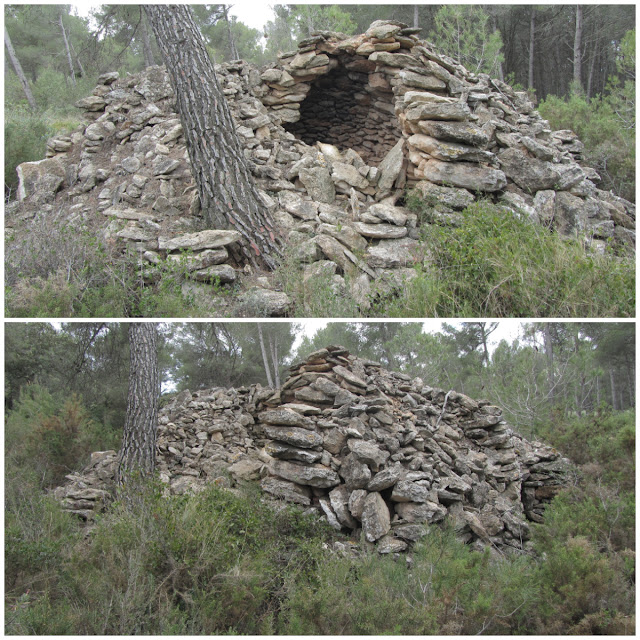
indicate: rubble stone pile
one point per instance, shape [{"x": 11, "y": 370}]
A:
[
  {"x": 334, "y": 133},
  {"x": 370, "y": 450}
]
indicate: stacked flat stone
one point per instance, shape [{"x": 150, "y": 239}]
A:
[
  {"x": 368, "y": 449},
  {"x": 334, "y": 133}
]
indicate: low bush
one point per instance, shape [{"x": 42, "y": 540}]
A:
[
  {"x": 609, "y": 139},
  {"x": 496, "y": 264},
  {"x": 59, "y": 270}
]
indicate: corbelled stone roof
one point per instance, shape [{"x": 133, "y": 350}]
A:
[
  {"x": 368, "y": 449},
  {"x": 335, "y": 133}
]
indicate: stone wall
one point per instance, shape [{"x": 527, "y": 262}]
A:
[
  {"x": 371, "y": 450},
  {"x": 334, "y": 135}
]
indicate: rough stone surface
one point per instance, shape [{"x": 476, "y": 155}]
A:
[
  {"x": 331, "y": 131},
  {"x": 386, "y": 454}
]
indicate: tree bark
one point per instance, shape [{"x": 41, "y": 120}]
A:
[
  {"x": 147, "y": 51},
  {"x": 138, "y": 449},
  {"x": 416, "y": 16},
  {"x": 265, "y": 359},
  {"x": 577, "y": 48},
  {"x": 532, "y": 42},
  {"x": 17, "y": 67},
  {"x": 228, "y": 196},
  {"x": 72, "y": 73}
]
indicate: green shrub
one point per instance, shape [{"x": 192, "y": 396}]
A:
[
  {"x": 609, "y": 142},
  {"x": 499, "y": 265},
  {"x": 25, "y": 140},
  {"x": 57, "y": 270}
]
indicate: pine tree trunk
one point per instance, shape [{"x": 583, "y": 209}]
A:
[
  {"x": 265, "y": 359},
  {"x": 17, "y": 67},
  {"x": 577, "y": 46},
  {"x": 532, "y": 42},
  {"x": 228, "y": 196},
  {"x": 72, "y": 73},
  {"x": 138, "y": 450},
  {"x": 147, "y": 51}
]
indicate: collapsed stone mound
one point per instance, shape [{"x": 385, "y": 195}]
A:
[
  {"x": 370, "y": 450},
  {"x": 334, "y": 133}
]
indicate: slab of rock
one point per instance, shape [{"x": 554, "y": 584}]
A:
[
  {"x": 464, "y": 132},
  {"x": 339, "y": 499},
  {"x": 316, "y": 475},
  {"x": 220, "y": 273},
  {"x": 294, "y": 436},
  {"x": 289, "y": 417},
  {"x": 421, "y": 512},
  {"x": 384, "y": 479},
  {"x": 391, "y": 254},
  {"x": 287, "y": 491},
  {"x": 378, "y": 231},
  {"x": 265, "y": 303},
  {"x": 391, "y": 165},
  {"x": 318, "y": 183},
  {"x": 405, "y": 491},
  {"x": 347, "y": 173},
  {"x": 391, "y": 544},
  {"x": 376, "y": 520},
  {"x": 449, "y": 151},
  {"x": 356, "y": 503},
  {"x": 389, "y": 213},
  {"x": 44, "y": 177},
  {"x": 368, "y": 453},
  {"x": 434, "y": 194},
  {"x": 208, "y": 239},
  {"x": 457, "y": 111},
  {"x": 465, "y": 175},
  {"x": 286, "y": 452},
  {"x": 355, "y": 473},
  {"x": 530, "y": 174}
]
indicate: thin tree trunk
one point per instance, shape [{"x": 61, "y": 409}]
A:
[
  {"x": 592, "y": 66},
  {"x": 548, "y": 351},
  {"x": 77, "y": 59},
  {"x": 138, "y": 450},
  {"x": 613, "y": 390},
  {"x": 228, "y": 196},
  {"x": 416, "y": 16},
  {"x": 577, "y": 49},
  {"x": 265, "y": 360},
  {"x": 17, "y": 67},
  {"x": 149, "y": 60},
  {"x": 233, "y": 51},
  {"x": 273, "y": 345},
  {"x": 532, "y": 42},
  {"x": 494, "y": 26},
  {"x": 67, "y": 50}
]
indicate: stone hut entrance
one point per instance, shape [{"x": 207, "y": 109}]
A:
[{"x": 350, "y": 107}]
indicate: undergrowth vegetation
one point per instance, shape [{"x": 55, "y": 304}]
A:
[
  {"x": 58, "y": 270},
  {"x": 224, "y": 562},
  {"x": 495, "y": 264}
]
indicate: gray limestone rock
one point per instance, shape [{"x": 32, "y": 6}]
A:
[{"x": 376, "y": 520}]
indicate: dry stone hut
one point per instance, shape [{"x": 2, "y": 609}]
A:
[
  {"x": 376, "y": 453},
  {"x": 335, "y": 133}
]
